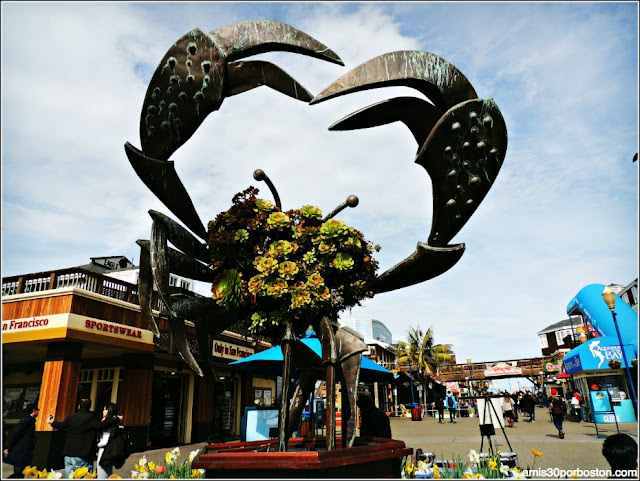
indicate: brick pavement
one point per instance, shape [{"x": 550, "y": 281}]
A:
[{"x": 580, "y": 449}]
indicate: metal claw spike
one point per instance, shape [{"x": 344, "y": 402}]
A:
[{"x": 434, "y": 76}]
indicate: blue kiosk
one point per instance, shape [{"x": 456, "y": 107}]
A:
[{"x": 588, "y": 364}]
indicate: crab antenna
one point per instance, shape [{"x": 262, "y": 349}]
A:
[
  {"x": 259, "y": 175},
  {"x": 351, "y": 201}
]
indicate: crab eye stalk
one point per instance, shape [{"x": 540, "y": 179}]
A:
[
  {"x": 260, "y": 176},
  {"x": 352, "y": 201}
]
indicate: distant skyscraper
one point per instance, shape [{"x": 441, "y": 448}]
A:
[{"x": 369, "y": 328}]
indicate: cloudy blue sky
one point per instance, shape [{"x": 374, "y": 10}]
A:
[{"x": 562, "y": 213}]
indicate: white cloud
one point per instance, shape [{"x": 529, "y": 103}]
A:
[{"x": 562, "y": 213}]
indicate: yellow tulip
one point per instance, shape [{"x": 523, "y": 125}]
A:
[{"x": 115, "y": 476}]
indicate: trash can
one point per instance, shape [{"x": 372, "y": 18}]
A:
[{"x": 416, "y": 412}]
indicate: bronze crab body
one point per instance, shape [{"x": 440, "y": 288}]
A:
[{"x": 461, "y": 140}]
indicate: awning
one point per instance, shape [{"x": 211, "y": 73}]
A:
[{"x": 595, "y": 354}]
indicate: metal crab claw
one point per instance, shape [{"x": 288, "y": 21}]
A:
[
  {"x": 462, "y": 142},
  {"x": 192, "y": 80}
]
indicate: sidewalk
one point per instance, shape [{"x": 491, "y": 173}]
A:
[{"x": 580, "y": 449}]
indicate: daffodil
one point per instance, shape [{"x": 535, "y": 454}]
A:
[
  {"x": 436, "y": 473},
  {"x": 91, "y": 476},
  {"x": 537, "y": 454},
  {"x": 574, "y": 474},
  {"x": 152, "y": 466},
  {"x": 80, "y": 472},
  {"x": 504, "y": 469},
  {"x": 144, "y": 475},
  {"x": 493, "y": 464},
  {"x": 114, "y": 476},
  {"x": 517, "y": 474},
  {"x": 480, "y": 476},
  {"x": 143, "y": 461},
  {"x": 474, "y": 457},
  {"x": 134, "y": 474},
  {"x": 192, "y": 455},
  {"x": 54, "y": 474},
  {"x": 195, "y": 473},
  {"x": 30, "y": 471},
  {"x": 468, "y": 474}
]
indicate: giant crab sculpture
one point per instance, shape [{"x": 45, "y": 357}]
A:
[{"x": 461, "y": 140}]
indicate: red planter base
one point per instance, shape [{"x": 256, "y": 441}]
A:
[{"x": 306, "y": 458}]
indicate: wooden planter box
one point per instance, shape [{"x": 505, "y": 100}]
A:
[{"x": 307, "y": 458}]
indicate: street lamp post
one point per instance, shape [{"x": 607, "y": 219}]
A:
[
  {"x": 610, "y": 299},
  {"x": 470, "y": 376}
]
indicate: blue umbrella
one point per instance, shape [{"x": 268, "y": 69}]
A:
[{"x": 269, "y": 362}]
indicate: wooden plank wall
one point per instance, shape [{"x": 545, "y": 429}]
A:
[
  {"x": 36, "y": 307},
  {"x": 58, "y": 391},
  {"x": 135, "y": 404}
]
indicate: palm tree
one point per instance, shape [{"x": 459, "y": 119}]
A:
[{"x": 423, "y": 354}]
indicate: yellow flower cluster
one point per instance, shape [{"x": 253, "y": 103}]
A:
[{"x": 476, "y": 468}]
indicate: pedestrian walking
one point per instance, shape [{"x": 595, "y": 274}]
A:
[
  {"x": 80, "y": 447},
  {"x": 440, "y": 407},
  {"x": 507, "y": 410},
  {"x": 111, "y": 450},
  {"x": 452, "y": 405},
  {"x": 558, "y": 409},
  {"x": 23, "y": 439},
  {"x": 528, "y": 406}
]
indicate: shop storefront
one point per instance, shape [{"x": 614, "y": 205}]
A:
[
  {"x": 588, "y": 365},
  {"x": 61, "y": 345}
]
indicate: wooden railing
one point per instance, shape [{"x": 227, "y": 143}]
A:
[{"x": 74, "y": 277}]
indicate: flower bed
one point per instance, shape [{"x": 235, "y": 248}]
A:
[{"x": 478, "y": 467}]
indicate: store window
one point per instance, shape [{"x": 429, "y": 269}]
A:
[
  {"x": 102, "y": 386},
  {"x": 264, "y": 395},
  {"x": 16, "y": 398}
]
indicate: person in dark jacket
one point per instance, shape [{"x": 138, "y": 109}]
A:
[
  {"x": 528, "y": 404},
  {"x": 373, "y": 422},
  {"x": 23, "y": 439},
  {"x": 440, "y": 408},
  {"x": 80, "y": 447},
  {"x": 110, "y": 449}
]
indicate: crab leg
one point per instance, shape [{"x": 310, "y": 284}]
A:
[
  {"x": 287, "y": 346},
  {"x": 330, "y": 361}
]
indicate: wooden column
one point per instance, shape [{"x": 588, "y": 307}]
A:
[
  {"x": 58, "y": 393},
  {"x": 203, "y": 413},
  {"x": 60, "y": 380},
  {"x": 135, "y": 403}
]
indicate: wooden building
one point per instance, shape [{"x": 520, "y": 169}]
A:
[{"x": 78, "y": 333}]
